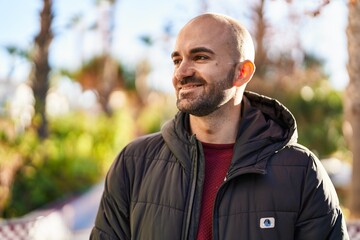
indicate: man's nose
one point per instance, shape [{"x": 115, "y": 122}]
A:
[{"x": 185, "y": 69}]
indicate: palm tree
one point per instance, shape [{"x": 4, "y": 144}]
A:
[{"x": 41, "y": 69}]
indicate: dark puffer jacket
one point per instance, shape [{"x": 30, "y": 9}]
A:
[{"x": 275, "y": 189}]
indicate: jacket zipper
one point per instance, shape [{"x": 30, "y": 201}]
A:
[
  {"x": 226, "y": 180},
  {"x": 192, "y": 192}
]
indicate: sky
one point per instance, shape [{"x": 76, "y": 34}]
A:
[{"x": 324, "y": 35}]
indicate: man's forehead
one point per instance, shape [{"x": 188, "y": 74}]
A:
[
  {"x": 203, "y": 34},
  {"x": 190, "y": 46},
  {"x": 205, "y": 25},
  {"x": 194, "y": 50}
]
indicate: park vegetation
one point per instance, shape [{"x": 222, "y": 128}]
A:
[{"x": 60, "y": 156}]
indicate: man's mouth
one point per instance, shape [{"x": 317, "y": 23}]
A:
[{"x": 189, "y": 86}]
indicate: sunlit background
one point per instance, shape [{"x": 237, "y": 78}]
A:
[{"x": 110, "y": 81}]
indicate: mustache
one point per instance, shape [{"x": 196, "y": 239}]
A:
[{"x": 192, "y": 79}]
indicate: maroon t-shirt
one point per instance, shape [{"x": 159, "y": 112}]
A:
[{"x": 217, "y": 162}]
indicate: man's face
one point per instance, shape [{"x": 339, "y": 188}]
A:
[{"x": 203, "y": 68}]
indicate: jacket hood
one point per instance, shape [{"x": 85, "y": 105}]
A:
[{"x": 266, "y": 126}]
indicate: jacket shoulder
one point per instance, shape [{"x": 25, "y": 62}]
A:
[
  {"x": 144, "y": 143},
  {"x": 294, "y": 155},
  {"x": 136, "y": 155}
]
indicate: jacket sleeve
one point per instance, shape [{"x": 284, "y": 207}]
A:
[
  {"x": 320, "y": 215},
  {"x": 112, "y": 220}
]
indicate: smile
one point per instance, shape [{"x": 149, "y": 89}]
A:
[{"x": 189, "y": 86}]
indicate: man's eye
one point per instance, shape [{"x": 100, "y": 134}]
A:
[
  {"x": 176, "y": 61},
  {"x": 201, "y": 57}
]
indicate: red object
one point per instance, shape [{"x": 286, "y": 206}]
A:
[{"x": 217, "y": 162}]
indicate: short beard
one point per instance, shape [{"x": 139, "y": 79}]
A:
[{"x": 210, "y": 101}]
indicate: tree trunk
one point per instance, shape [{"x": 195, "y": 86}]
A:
[
  {"x": 41, "y": 69},
  {"x": 258, "y": 16},
  {"x": 109, "y": 72},
  {"x": 352, "y": 103}
]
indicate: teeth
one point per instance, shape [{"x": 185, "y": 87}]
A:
[{"x": 189, "y": 86}]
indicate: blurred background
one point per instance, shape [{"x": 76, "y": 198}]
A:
[{"x": 80, "y": 79}]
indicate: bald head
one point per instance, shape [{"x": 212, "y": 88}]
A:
[
  {"x": 213, "y": 62},
  {"x": 235, "y": 35}
]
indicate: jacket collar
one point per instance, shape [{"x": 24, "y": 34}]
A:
[{"x": 266, "y": 126}]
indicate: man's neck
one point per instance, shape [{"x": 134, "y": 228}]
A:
[{"x": 219, "y": 127}]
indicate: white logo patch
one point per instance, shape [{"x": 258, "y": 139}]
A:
[{"x": 267, "y": 222}]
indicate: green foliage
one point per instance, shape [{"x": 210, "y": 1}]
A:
[
  {"x": 304, "y": 89},
  {"x": 76, "y": 155},
  {"x": 158, "y": 109},
  {"x": 318, "y": 110},
  {"x": 81, "y": 147},
  {"x": 128, "y": 75}
]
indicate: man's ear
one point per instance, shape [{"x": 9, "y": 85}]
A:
[{"x": 245, "y": 73}]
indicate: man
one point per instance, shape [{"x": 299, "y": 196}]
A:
[{"x": 227, "y": 166}]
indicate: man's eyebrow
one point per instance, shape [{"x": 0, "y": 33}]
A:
[
  {"x": 175, "y": 54},
  {"x": 201, "y": 49},
  {"x": 193, "y": 51}
]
